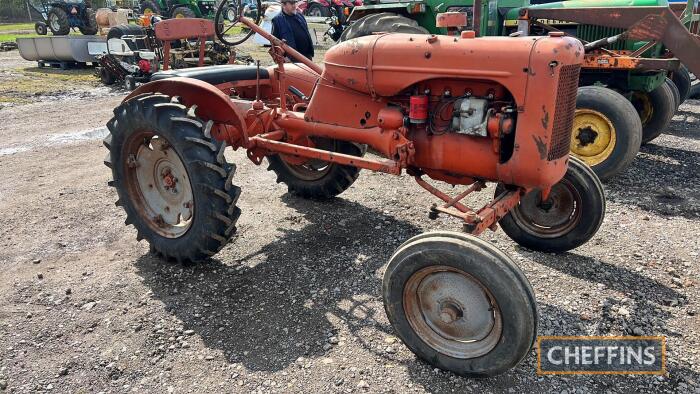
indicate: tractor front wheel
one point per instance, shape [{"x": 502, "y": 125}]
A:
[
  {"x": 40, "y": 28},
  {"x": 58, "y": 22},
  {"x": 317, "y": 179},
  {"x": 656, "y": 109},
  {"x": 607, "y": 132},
  {"x": 171, "y": 178},
  {"x": 568, "y": 218},
  {"x": 460, "y": 304},
  {"x": 90, "y": 28},
  {"x": 382, "y": 22}
]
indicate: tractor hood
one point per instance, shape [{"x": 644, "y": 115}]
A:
[{"x": 513, "y": 13}]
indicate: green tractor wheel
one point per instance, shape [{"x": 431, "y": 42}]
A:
[
  {"x": 149, "y": 7},
  {"x": 681, "y": 78},
  {"x": 655, "y": 110},
  {"x": 607, "y": 132},
  {"x": 183, "y": 12}
]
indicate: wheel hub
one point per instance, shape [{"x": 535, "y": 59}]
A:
[
  {"x": 550, "y": 218},
  {"x": 159, "y": 178},
  {"x": 451, "y": 311},
  {"x": 593, "y": 138}
]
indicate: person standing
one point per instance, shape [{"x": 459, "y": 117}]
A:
[{"x": 291, "y": 27}]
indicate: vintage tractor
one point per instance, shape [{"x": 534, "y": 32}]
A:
[
  {"x": 456, "y": 109},
  {"x": 60, "y": 16},
  {"x": 631, "y": 47}
]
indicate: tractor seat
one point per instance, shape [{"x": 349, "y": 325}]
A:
[{"x": 214, "y": 74}]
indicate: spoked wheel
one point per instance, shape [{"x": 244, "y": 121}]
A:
[
  {"x": 171, "y": 178},
  {"x": 317, "y": 178},
  {"x": 227, "y": 21},
  {"x": 460, "y": 303},
  {"x": 569, "y": 217}
]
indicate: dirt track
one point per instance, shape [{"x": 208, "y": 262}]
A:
[{"x": 294, "y": 304}]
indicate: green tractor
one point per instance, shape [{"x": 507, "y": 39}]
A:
[
  {"x": 632, "y": 79},
  {"x": 180, "y": 8}
]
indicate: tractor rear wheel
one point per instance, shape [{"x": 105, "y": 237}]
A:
[
  {"x": 90, "y": 27},
  {"x": 569, "y": 217},
  {"x": 171, "y": 178},
  {"x": 58, "y": 21},
  {"x": 317, "y": 10},
  {"x": 676, "y": 93},
  {"x": 317, "y": 179},
  {"x": 183, "y": 12},
  {"x": 656, "y": 109},
  {"x": 382, "y": 22},
  {"x": 460, "y": 303},
  {"x": 607, "y": 132}
]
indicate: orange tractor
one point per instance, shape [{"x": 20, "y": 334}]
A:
[{"x": 456, "y": 109}]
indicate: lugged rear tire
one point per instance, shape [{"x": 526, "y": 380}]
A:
[
  {"x": 58, "y": 22},
  {"x": 151, "y": 138},
  {"x": 91, "y": 28},
  {"x": 383, "y": 22},
  {"x": 329, "y": 182},
  {"x": 571, "y": 217}
]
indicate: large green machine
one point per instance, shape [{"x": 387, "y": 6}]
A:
[{"x": 634, "y": 74}]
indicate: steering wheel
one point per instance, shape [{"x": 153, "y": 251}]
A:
[{"x": 229, "y": 30}]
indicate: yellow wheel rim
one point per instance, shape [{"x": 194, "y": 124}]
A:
[
  {"x": 148, "y": 11},
  {"x": 179, "y": 16},
  {"x": 643, "y": 105},
  {"x": 593, "y": 137}
]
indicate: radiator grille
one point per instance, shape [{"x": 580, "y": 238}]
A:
[
  {"x": 593, "y": 32},
  {"x": 564, "y": 112}
]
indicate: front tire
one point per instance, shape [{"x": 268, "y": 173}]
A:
[
  {"x": 317, "y": 179},
  {"x": 460, "y": 304},
  {"x": 569, "y": 218},
  {"x": 383, "y": 22},
  {"x": 656, "y": 109},
  {"x": 40, "y": 28},
  {"x": 607, "y": 132},
  {"x": 58, "y": 22},
  {"x": 171, "y": 178}
]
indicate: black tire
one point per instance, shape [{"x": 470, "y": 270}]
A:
[
  {"x": 681, "y": 78},
  {"x": 90, "y": 28},
  {"x": 214, "y": 197},
  {"x": 129, "y": 82},
  {"x": 328, "y": 183},
  {"x": 655, "y": 109},
  {"x": 382, "y": 22},
  {"x": 106, "y": 77},
  {"x": 183, "y": 12},
  {"x": 238, "y": 8},
  {"x": 41, "y": 29},
  {"x": 316, "y": 9},
  {"x": 507, "y": 288},
  {"x": 626, "y": 126},
  {"x": 676, "y": 93},
  {"x": 694, "y": 92},
  {"x": 150, "y": 5},
  {"x": 58, "y": 22},
  {"x": 579, "y": 185},
  {"x": 125, "y": 30}
]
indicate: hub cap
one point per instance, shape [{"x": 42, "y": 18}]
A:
[
  {"x": 159, "y": 185},
  {"x": 452, "y": 312},
  {"x": 551, "y": 218},
  {"x": 593, "y": 138}
]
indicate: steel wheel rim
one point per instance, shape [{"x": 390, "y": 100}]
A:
[
  {"x": 159, "y": 184},
  {"x": 314, "y": 169},
  {"x": 148, "y": 11},
  {"x": 553, "y": 218},
  {"x": 53, "y": 22},
  {"x": 642, "y": 103},
  {"x": 594, "y": 136},
  {"x": 452, "y": 312}
]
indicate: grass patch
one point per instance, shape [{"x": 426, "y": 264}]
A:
[
  {"x": 13, "y": 27},
  {"x": 14, "y": 36}
]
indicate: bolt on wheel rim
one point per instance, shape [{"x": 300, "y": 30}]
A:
[
  {"x": 552, "y": 218},
  {"x": 452, "y": 312},
  {"x": 593, "y": 138},
  {"x": 159, "y": 185}
]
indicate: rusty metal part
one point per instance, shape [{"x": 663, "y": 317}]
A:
[
  {"x": 159, "y": 185},
  {"x": 619, "y": 60},
  {"x": 642, "y": 24},
  {"x": 452, "y": 312},
  {"x": 182, "y": 29}
]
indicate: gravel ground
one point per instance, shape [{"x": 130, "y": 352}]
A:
[{"x": 294, "y": 303}]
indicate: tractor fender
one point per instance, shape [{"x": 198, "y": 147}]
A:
[{"x": 212, "y": 104}]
